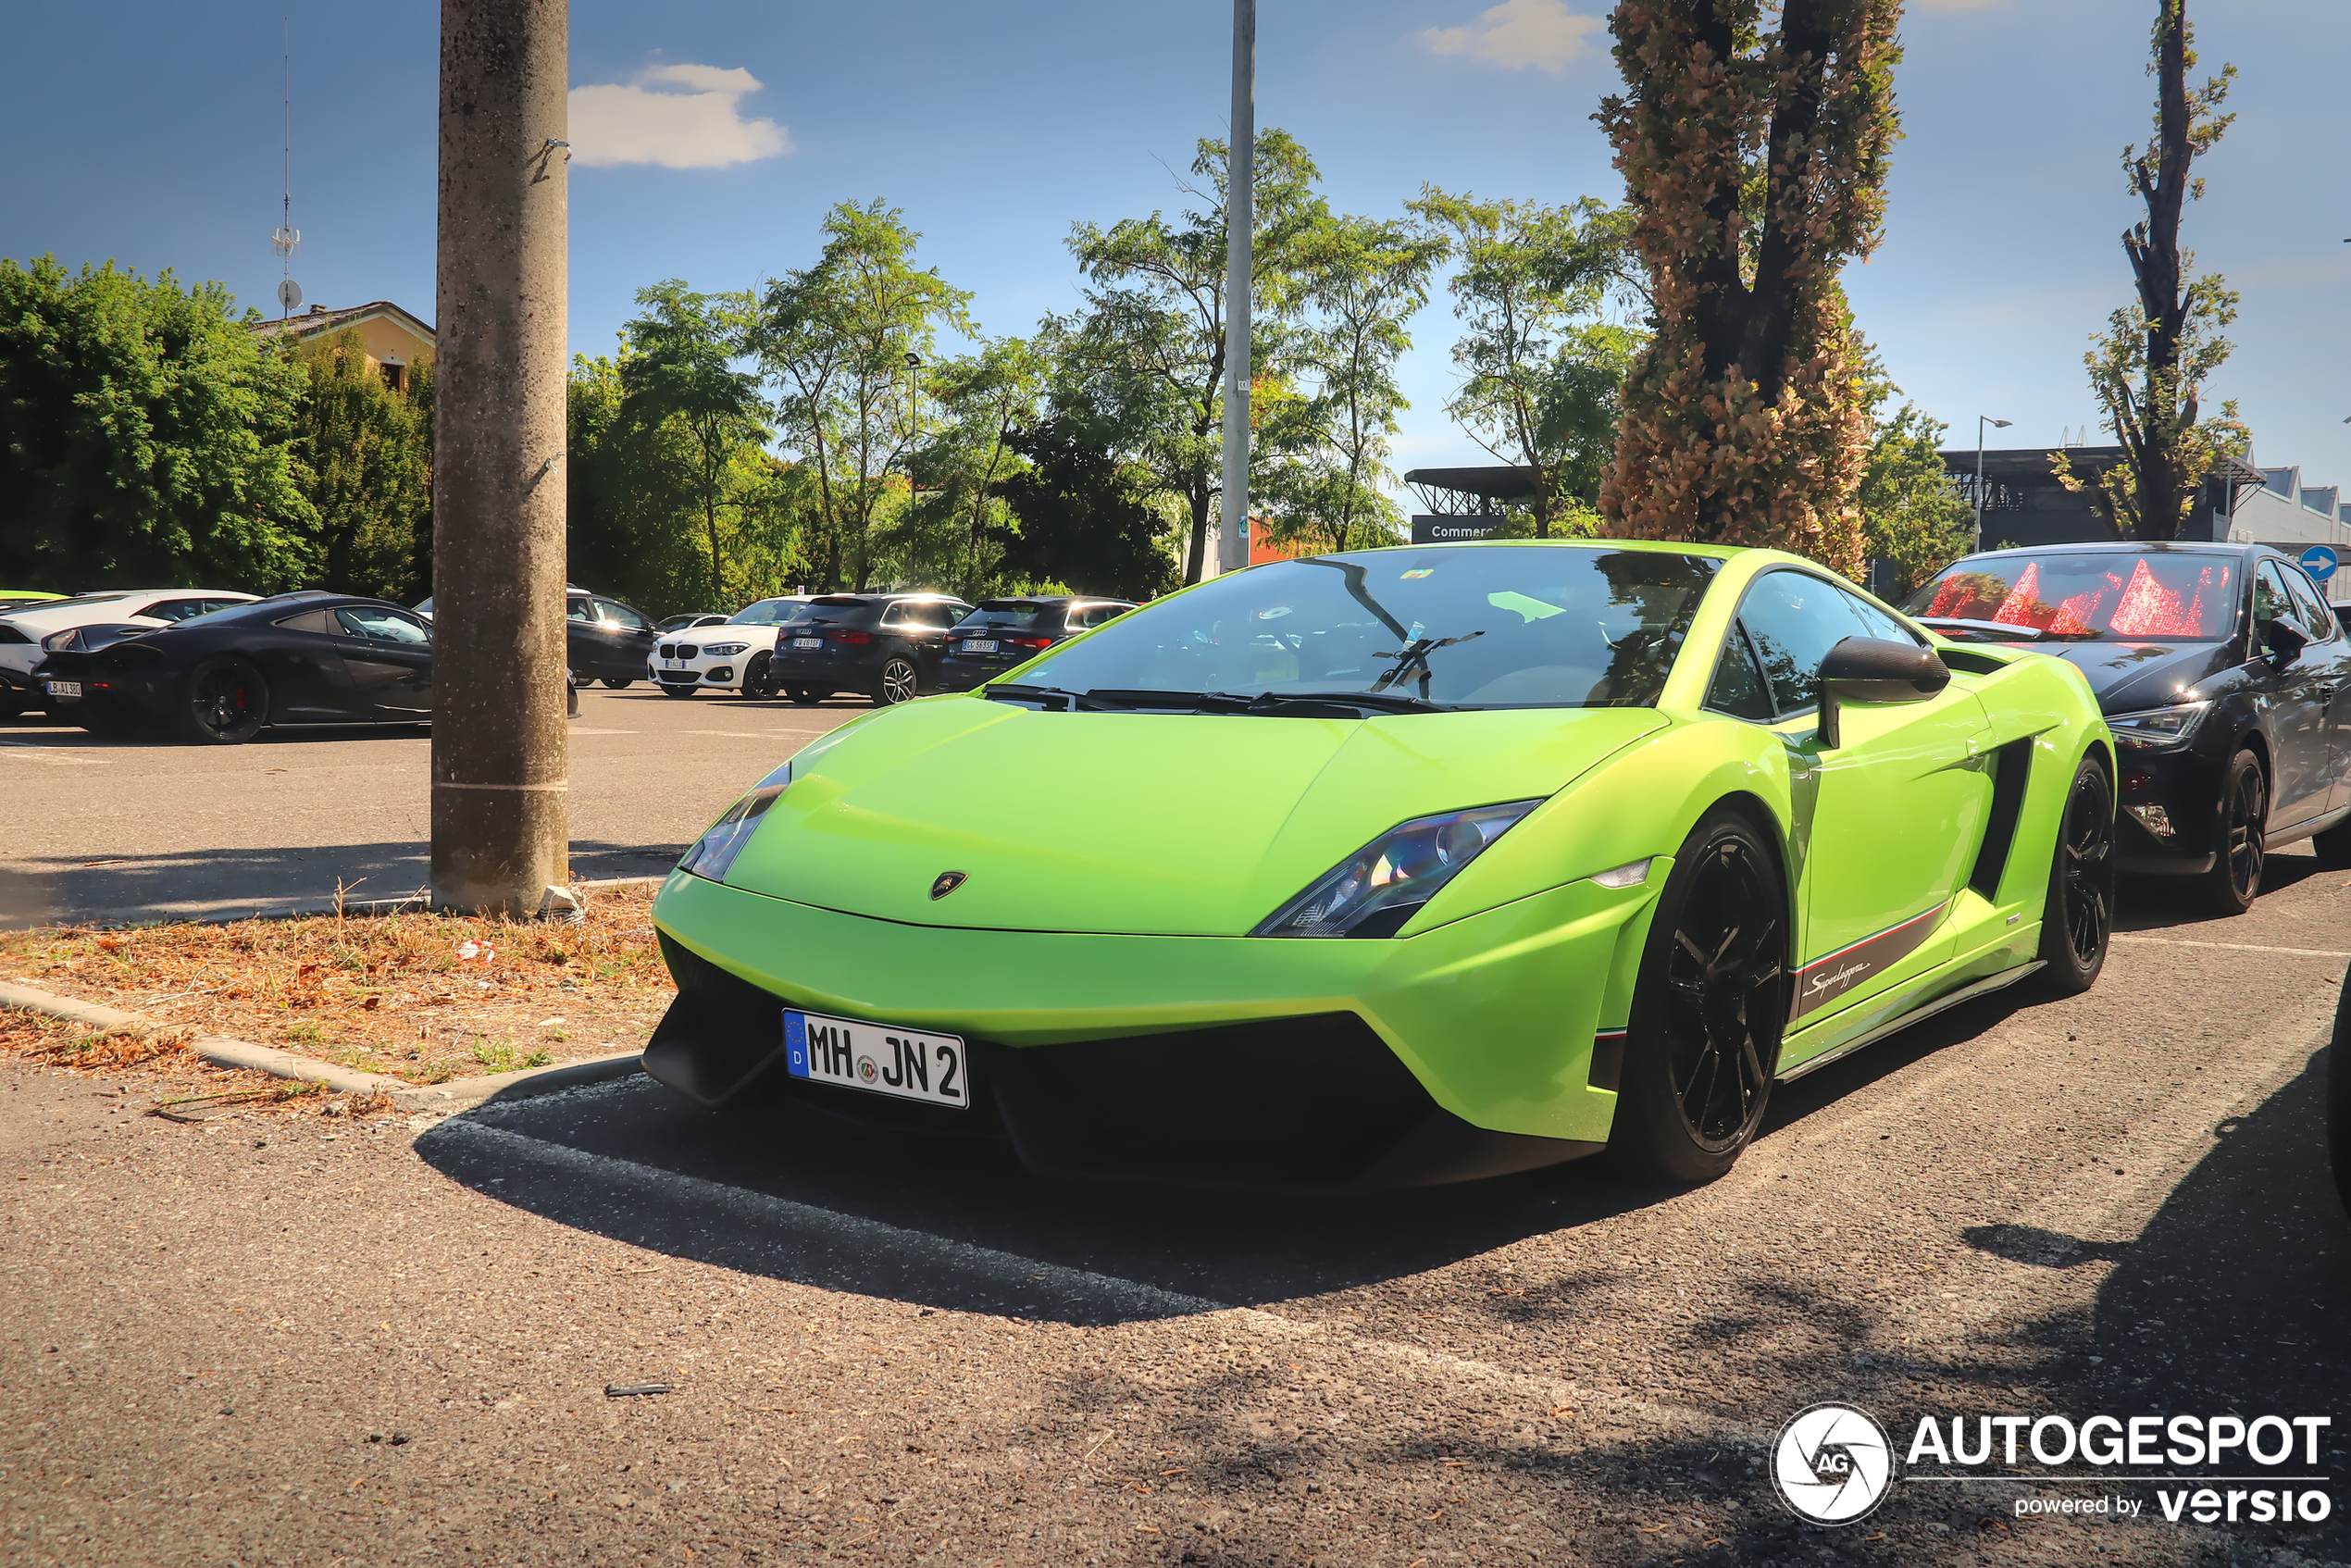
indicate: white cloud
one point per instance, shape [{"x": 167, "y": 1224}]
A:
[
  {"x": 679, "y": 117},
  {"x": 1544, "y": 33}
]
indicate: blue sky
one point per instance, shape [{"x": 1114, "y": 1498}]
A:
[{"x": 149, "y": 134}]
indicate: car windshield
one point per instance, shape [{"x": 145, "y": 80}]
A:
[
  {"x": 2084, "y": 596},
  {"x": 1010, "y": 614},
  {"x": 1479, "y": 626},
  {"x": 769, "y": 611}
]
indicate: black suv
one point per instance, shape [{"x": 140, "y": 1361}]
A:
[
  {"x": 604, "y": 639},
  {"x": 885, "y": 646},
  {"x": 1004, "y": 632}
]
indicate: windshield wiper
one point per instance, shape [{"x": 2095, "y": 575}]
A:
[
  {"x": 2007, "y": 631},
  {"x": 1376, "y": 701},
  {"x": 996, "y": 691}
]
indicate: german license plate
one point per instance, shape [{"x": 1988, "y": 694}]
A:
[
  {"x": 69, "y": 689},
  {"x": 808, "y": 643},
  {"x": 906, "y": 1064},
  {"x": 981, "y": 645}
]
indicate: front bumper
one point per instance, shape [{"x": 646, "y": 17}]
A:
[
  {"x": 723, "y": 673},
  {"x": 2168, "y": 813},
  {"x": 1258, "y": 1062}
]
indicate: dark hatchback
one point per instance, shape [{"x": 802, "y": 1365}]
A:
[
  {"x": 604, "y": 638},
  {"x": 221, "y": 678},
  {"x": 1002, "y": 633},
  {"x": 884, "y": 646},
  {"x": 2225, "y": 678}
]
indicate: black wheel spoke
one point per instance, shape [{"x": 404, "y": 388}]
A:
[{"x": 1724, "y": 1006}]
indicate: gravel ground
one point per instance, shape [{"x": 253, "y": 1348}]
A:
[{"x": 264, "y": 1341}]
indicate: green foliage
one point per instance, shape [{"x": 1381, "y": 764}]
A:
[
  {"x": 144, "y": 438},
  {"x": 362, "y": 456},
  {"x": 1911, "y": 515},
  {"x": 1541, "y": 364},
  {"x": 1086, "y": 520},
  {"x": 1144, "y": 363},
  {"x": 679, "y": 379},
  {"x": 953, "y": 531},
  {"x": 834, "y": 337}
]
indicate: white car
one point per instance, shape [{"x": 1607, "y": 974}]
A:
[
  {"x": 20, "y": 633},
  {"x": 731, "y": 656}
]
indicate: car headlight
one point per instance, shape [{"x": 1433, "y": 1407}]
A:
[
  {"x": 2159, "y": 726},
  {"x": 713, "y": 855},
  {"x": 1375, "y": 891},
  {"x": 724, "y": 650}
]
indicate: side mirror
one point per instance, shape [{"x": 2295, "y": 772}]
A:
[
  {"x": 2286, "y": 637},
  {"x": 1872, "y": 669}
]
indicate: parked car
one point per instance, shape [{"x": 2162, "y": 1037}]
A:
[
  {"x": 884, "y": 646},
  {"x": 2224, "y": 676},
  {"x": 687, "y": 623},
  {"x": 604, "y": 638},
  {"x": 1002, "y": 633},
  {"x": 735, "y": 659},
  {"x": 221, "y": 678},
  {"x": 1398, "y": 866},
  {"x": 15, "y": 599},
  {"x": 24, "y": 627}
]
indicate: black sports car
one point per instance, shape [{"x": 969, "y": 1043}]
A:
[
  {"x": 1004, "y": 632},
  {"x": 2224, "y": 674},
  {"x": 886, "y": 646},
  {"x": 299, "y": 658}
]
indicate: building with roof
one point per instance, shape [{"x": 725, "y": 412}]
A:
[
  {"x": 396, "y": 341},
  {"x": 2289, "y": 515}
]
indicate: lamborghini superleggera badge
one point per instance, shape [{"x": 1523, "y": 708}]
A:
[{"x": 946, "y": 882}]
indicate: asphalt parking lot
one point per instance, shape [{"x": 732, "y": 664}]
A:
[
  {"x": 132, "y": 829},
  {"x": 257, "y": 1342}
]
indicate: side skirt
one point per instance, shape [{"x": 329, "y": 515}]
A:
[{"x": 2000, "y": 981}]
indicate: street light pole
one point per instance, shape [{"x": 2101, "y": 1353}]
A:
[
  {"x": 501, "y": 818},
  {"x": 1240, "y": 190},
  {"x": 1981, "y": 420}
]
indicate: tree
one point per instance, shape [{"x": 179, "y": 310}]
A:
[
  {"x": 680, "y": 370},
  {"x": 984, "y": 400},
  {"x": 1911, "y": 514},
  {"x": 1086, "y": 520},
  {"x": 834, "y": 337},
  {"x": 1145, "y": 356},
  {"x": 1359, "y": 283},
  {"x": 144, "y": 437},
  {"x": 2148, "y": 371},
  {"x": 1540, "y": 364},
  {"x": 362, "y": 456},
  {"x": 1754, "y": 163}
]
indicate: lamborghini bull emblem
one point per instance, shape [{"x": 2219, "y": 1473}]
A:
[{"x": 944, "y": 883}]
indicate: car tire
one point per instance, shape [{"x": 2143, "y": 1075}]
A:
[
  {"x": 223, "y": 703},
  {"x": 2077, "y": 922},
  {"x": 806, "y": 696},
  {"x": 1704, "y": 1038},
  {"x": 679, "y": 689},
  {"x": 2238, "y": 854},
  {"x": 900, "y": 682},
  {"x": 758, "y": 678},
  {"x": 2333, "y": 846},
  {"x": 616, "y": 685}
]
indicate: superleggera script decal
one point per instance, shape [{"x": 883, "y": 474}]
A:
[{"x": 1825, "y": 979}]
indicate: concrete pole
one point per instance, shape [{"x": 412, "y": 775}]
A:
[
  {"x": 1241, "y": 223},
  {"x": 501, "y": 832}
]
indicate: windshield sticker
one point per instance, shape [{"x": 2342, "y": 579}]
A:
[
  {"x": 1417, "y": 571},
  {"x": 1276, "y": 613},
  {"x": 1521, "y": 605}
]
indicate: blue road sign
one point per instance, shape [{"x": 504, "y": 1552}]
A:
[{"x": 2319, "y": 562}]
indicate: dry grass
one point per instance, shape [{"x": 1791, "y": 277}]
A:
[
  {"x": 391, "y": 994},
  {"x": 178, "y": 1084}
]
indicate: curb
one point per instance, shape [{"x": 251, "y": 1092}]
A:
[
  {"x": 407, "y": 904},
  {"x": 224, "y": 1051}
]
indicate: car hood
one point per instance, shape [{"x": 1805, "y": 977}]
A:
[
  {"x": 2134, "y": 677},
  {"x": 1147, "y": 824}
]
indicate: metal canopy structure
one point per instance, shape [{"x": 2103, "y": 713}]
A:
[{"x": 1463, "y": 492}]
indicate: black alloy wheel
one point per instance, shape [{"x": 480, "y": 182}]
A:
[
  {"x": 2239, "y": 850},
  {"x": 806, "y": 696},
  {"x": 1708, "y": 1008},
  {"x": 758, "y": 678},
  {"x": 225, "y": 703},
  {"x": 616, "y": 685},
  {"x": 900, "y": 682},
  {"x": 2078, "y": 921}
]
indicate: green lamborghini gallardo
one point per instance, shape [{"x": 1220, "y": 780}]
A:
[{"x": 1380, "y": 869}]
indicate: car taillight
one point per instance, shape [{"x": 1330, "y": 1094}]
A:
[
  {"x": 853, "y": 637},
  {"x": 1029, "y": 642}
]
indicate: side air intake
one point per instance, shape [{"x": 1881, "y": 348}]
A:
[{"x": 2011, "y": 770}]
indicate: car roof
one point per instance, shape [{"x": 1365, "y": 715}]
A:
[{"x": 2129, "y": 547}]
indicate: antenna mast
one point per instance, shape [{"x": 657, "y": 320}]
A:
[{"x": 286, "y": 239}]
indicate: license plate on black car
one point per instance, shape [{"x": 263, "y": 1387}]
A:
[
  {"x": 904, "y": 1063},
  {"x": 808, "y": 643},
  {"x": 981, "y": 645},
  {"x": 67, "y": 688}
]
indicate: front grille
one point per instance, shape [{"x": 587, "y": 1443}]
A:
[
  {"x": 666, "y": 651},
  {"x": 685, "y": 650}
]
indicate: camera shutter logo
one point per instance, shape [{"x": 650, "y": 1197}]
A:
[{"x": 1833, "y": 1465}]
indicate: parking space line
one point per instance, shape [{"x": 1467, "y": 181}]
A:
[
  {"x": 2231, "y": 947},
  {"x": 25, "y": 751}
]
